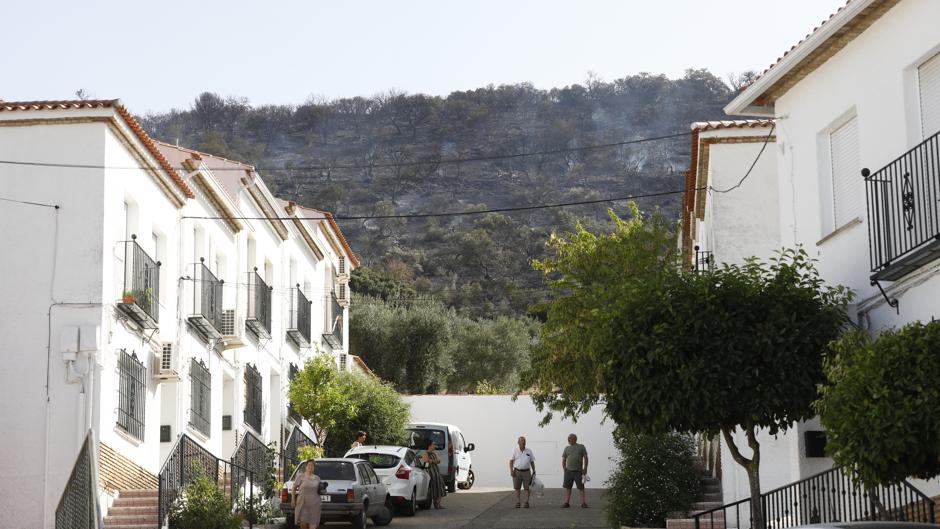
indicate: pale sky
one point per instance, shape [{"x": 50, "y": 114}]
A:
[{"x": 161, "y": 54}]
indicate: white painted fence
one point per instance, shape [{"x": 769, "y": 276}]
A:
[{"x": 494, "y": 422}]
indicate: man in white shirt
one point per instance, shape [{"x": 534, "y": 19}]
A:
[{"x": 522, "y": 470}]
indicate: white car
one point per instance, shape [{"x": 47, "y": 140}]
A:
[{"x": 401, "y": 471}]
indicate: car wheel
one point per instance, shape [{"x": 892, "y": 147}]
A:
[
  {"x": 469, "y": 483},
  {"x": 359, "y": 521},
  {"x": 385, "y": 514},
  {"x": 411, "y": 507},
  {"x": 452, "y": 486},
  {"x": 426, "y": 504},
  {"x": 289, "y": 522}
]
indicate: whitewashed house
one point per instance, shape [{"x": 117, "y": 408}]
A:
[
  {"x": 856, "y": 106},
  {"x": 159, "y": 295}
]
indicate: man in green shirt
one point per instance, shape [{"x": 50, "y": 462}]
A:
[{"x": 574, "y": 462}]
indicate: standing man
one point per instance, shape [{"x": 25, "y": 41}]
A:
[
  {"x": 574, "y": 462},
  {"x": 522, "y": 470}
]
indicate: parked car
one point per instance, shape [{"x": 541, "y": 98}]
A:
[
  {"x": 402, "y": 472},
  {"x": 354, "y": 492},
  {"x": 456, "y": 467}
]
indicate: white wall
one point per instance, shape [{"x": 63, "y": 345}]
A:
[{"x": 493, "y": 423}]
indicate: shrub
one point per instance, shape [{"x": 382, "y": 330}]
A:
[
  {"x": 203, "y": 505},
  {"x": 377, "y": 409},
  {"x": 309, "y": 452},
  {"x": 655, "y": 475}
]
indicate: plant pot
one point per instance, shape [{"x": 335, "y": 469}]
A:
[{"x": 128, "y": 299}]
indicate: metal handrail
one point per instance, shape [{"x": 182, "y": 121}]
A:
[
  {"x": 259, "y": 301},
  {"x": 831, "y": 496},
  {"x": 207, "y": 297},
  {"x": 78, "y": 507},
  {"x": 289, "y": 455},
  {"x": 142, "y": 279},
  {"x": 300, "y": 312},
  {"x": 253, "y": 455}
]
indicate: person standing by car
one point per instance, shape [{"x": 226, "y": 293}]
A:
[
  {"x": 305, "y": 498},
  {"x": 360, "y": 440},
  {"x": 436, "y": 489},
  {"x": 522, "y": 470},
  {"x": 574, "y": 462}
]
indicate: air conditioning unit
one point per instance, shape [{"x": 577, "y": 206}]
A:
[
  {"x": 166, "y": 364},
  {"x": 343, "y": 270},
  {"x": 233, "y": 330},
  {"x": 343, "y": 362},
  {"x": 342, "y": 294}
]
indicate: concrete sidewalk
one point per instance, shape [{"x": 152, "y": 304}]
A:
[{"x": 544, "y": 513}]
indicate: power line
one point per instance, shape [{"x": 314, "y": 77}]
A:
[
  {"x": 753, "y": 164},
  {"x": 442, "y": 161},
  {"x": 27, "y": 202}
]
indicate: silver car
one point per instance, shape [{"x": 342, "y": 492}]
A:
[{"x": 353, "y": 493}]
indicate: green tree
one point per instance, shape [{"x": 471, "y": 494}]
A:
[
  {"x": 318, "y": 395},
  {"x": 881, "y": 403},
  {"x": 492, "y": 352},
  {"x": 376, "y": 408},
  {"x": 738, "y": 348}
]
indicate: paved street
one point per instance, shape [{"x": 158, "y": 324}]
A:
[{"x": 493, "y": 509}]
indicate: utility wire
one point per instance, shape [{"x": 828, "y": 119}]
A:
[
  {"x": 753, "y": 164},
  {"x": 443, "y": 161},
  {"x": 5, "y": 199}
]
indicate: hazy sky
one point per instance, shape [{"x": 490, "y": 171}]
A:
[{"x": 160, "y": 55}]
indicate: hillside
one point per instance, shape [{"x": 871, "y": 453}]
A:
[{"x": 478, "y": 263}]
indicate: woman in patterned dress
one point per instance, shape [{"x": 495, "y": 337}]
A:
[
  {"x": 305, "y": 498},
  {"x": 436, "y": 489}
]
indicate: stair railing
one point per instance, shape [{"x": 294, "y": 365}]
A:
[
  {"x": 828, "y": 497},
  {"x": 78, "y": 506}
]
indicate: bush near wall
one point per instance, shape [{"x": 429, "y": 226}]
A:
[{"x": 655, "y": 475}]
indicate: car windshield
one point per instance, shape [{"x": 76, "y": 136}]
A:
[
  {"x": 418, "y": 438},
  {"x": 327, "y": 470},
  {"x": 378, "y": 460}
]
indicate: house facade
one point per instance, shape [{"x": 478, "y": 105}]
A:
[
  {"x": 856, "y": 107},
  {"x": 168, "y": 294}
]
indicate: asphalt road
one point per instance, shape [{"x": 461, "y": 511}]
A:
[{"x": 494, "y": 509}]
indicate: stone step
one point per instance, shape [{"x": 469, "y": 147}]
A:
[
  {"x": 136, "y": 502},
  {"x": 122, "y": 525},
  {"x": 126, "y": 510},
  {"x": 700, "y": 506},
  {"x": 139, "y": 493},
  {"x": 710, "y": 497},
  {"x": 689, "y": 523},
  {"x": 132, "y": 519}
]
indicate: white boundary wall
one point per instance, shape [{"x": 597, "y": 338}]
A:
[{"x": 494, "y": 422}]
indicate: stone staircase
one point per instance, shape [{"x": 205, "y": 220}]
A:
[
  {"x": 133, "y": 509},
  {"x": 709, "y": 498}
]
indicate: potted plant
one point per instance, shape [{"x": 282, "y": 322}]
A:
[{"x": 128, "y": 297}]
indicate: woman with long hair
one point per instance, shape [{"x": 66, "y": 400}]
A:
[{"x": 436, "y": 489}]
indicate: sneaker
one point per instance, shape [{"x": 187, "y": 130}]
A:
[
  {"x": 584, "y": 506},
  {"x": 565, "y": 506}
]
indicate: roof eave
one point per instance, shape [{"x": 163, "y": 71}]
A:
[{"x": 743, "y": 104}]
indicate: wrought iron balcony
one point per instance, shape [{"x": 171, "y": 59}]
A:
[
  {"x": 207, "y": 302},
  {"x": 141, "y": 295},
  {"x": 334, "y": 322},
  {"x": 904, "y": 212},
  {"x": 298, "y": 328},
  {"x": 259, "y": 306},
  {"x": 704, "y": 260}
]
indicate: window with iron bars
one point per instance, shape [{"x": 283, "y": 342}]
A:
[
  {"x": 291, "y": 411},
  {"x": 132, "y": 392},
  {"x": 253, "y": 409},
  {"x": 200, "y": 412}
]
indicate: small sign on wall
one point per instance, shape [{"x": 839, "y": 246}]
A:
[
  {"x": 815, "y": 443},
  {"x": 164, "y": 433}
]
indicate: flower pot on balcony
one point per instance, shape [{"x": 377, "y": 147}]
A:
[{"x": 127, "y": 298}]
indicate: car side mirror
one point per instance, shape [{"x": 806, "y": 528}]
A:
[{"x": 471, "y": 447}]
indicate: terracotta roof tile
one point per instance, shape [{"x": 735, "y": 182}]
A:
[
  {"x": 12, "y": 106},
  {"x": 703, "y": 126}
]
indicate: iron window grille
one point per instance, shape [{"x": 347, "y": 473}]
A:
[
  {"x": 201, "y": 397},
  {"x": 132, "y": 391},
  {"x": 298, "y": 328},
  {"x": 253, "y": 407},
  {"x": 207, "y": 302},
  {"x": 291, "y": 412},
  {"x": 141, "y": 296},
  {"x": 259, "y": 306}
]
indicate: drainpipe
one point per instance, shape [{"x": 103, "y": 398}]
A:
[{"x": 48, "y": 423}]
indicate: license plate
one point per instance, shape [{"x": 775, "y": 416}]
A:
[{"x": 326, "y": 498}]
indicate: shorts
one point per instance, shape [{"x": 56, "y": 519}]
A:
[
  {"x": 521, "y": 479},
  {"x": 572, "y": 477}
]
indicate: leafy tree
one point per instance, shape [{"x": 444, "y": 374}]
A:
[
  {"x": 740, "y": 348},
  {"x": 881, "y": 403},
  {"x": 377, "y": 409},
  {"x": 366, "y": 281},
  {"x": 317, "y": 394},
  {"x": 490, "y": 352}
]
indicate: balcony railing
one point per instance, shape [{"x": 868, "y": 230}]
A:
[
  {"x": 207, "y": 302},
  {"x": 259, "y": 306},
  {"x": 704, "y": 260},
  {"x": 334, "y": 322},
  {"x": 298, "y": 329},
  {"x": 141, "y": 295},
  {"x": 904, "y": 212}
]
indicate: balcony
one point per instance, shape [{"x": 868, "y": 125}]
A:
[
  {"x": 141, "y": 293},
  {"x": 298, "y": 329},
  {"x": 206, "y": 317},
  {"x": 259, "y": 306},
  {"x": 903, "y": 201},
  {"x": 334, "y": 322}
]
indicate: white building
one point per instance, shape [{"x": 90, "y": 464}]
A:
[
  {"x": 167, "y": 293},
  {"x": 861, "y": 91}
]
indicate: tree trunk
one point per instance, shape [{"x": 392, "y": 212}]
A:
[{"x": 752, "y": 467}]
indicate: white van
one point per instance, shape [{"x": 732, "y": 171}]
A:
[{"x": 452, "y": 448}]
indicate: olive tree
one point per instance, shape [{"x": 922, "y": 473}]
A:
[
  {"x": 881, "y": 403},
  {"x": 736, "y": 349}
]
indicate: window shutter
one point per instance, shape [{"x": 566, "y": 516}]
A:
[
  {"x": 848, "y": 192},
  {"x": 928, "y": 78}
]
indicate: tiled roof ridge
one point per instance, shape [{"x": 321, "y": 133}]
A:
[
  {"x": 731, "y": 124},
  {"x": 200, "y": 154},
  {"x": 128, "y": 118}
]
